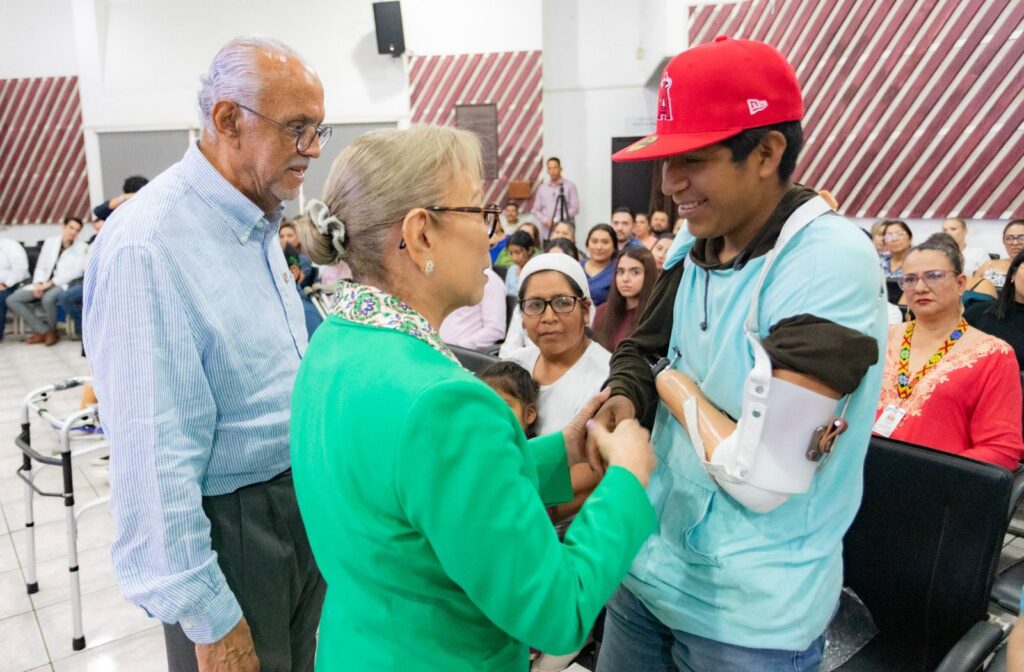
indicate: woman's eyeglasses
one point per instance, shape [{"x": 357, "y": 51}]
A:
[
  {"x": 895, "y": 235},
  {"x": 559, "y": 304},
  {"x": 931, "y": 279},
  {"x": 490, "y": 214},
  {"x": 1019, "y": 238}
]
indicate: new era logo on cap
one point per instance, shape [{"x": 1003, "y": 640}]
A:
[{"x": 755, "y": 105}]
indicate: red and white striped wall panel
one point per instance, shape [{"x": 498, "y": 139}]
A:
[
  {"x": 913, "y": 108},
  {"x": 42, "y": 151},
  {"x": 509, "y": 80}
]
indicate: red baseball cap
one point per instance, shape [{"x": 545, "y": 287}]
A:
[{"x": 715, "y": 91}]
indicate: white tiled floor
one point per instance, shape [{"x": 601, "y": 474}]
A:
[{"x": 36, "y": 630}]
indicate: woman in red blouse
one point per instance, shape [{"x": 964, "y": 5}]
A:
[{"x": 947, "y": 385}]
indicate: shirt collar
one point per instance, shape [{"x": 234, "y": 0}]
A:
[
  {"x": 364, "y": 304},
  {"x": 242, "y": 215}
]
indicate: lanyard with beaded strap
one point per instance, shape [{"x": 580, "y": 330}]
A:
[{"x": 904, "y": 384}]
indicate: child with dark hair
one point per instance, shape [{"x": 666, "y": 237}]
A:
[
  {"x": 514, "y": 384},
  {"x": 521, "y": 249}
]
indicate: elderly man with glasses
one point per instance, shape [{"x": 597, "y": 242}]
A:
[{"x": 195, "y": 336}]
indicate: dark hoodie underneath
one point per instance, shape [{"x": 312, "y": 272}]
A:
[{"x": 835, "y": 355}]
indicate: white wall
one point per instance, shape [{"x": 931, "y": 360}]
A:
[
  {"x": 598, "y": 56},
  {"x": 37, "y": 39}
]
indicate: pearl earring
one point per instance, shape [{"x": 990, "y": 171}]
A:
[{"x": 429, "y": 268}]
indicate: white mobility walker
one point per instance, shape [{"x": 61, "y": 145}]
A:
[{"x": 34, "y": 462}]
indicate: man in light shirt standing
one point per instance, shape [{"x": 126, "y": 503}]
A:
[
  {"x": 195, "y": 335},
  {"x": 556, "y": 200}
]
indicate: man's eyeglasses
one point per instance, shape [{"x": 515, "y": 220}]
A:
[
  {"x": 490, "y": 214},
  {"x": 559, "y": 304},
  {"x": 1019, "y": 238},
  {"x": 304, "y": 135},
  {"x": 931, "y": 280}
]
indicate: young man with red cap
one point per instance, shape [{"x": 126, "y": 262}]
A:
[{"x": 771, "y": 311}]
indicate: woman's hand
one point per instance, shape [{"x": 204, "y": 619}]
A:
[
  {"x": 629, "y": 447},
  {"x": 575, "y": 433}
]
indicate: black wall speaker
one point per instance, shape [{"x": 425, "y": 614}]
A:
[{"x": 388, "y": 18}]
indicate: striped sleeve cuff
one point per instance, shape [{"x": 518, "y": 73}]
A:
[{"x": 215, "y": 621}]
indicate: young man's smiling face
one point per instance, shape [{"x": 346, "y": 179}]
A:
[{"x": 721, "y": 197}]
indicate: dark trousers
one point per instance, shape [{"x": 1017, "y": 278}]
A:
[
  {"x": 71, "y": 302},
  {"x": 262, "y": 548}
]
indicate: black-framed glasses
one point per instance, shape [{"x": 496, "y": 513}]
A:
[
  {"x": 931, "y": 279},
  {"x": 490, "y": 213},
  {"x": 560, "y": 304},
  {"x": 1009, "y": 238},
  {"x": 304, "y": 135}
]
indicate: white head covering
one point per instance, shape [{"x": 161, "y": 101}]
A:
[{"x": 563, "y": 263}]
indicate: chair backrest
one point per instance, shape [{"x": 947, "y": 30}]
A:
[
  {"x": 32, "y": 252},
  {"x": 923, "y": 549},
  {"x": 893, "y": 291},
  {"x": 471, "y": 359}
]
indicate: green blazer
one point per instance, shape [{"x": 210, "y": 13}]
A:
[{"x": 425, "y": 507}]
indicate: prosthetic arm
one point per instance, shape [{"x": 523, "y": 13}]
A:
[{"x": 773, "y": 450}]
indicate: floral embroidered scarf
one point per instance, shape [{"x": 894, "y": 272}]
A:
[{"x": 368, "y": 305}]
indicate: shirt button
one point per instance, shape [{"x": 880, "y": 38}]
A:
[{"x": 284, "y": 277}]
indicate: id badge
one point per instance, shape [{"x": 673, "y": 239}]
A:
[{"x": 888, "y": 421}]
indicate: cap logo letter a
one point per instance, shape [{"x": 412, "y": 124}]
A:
[
  {"x": 755, "y": 105},
  {"x": 665, "y": 98}
]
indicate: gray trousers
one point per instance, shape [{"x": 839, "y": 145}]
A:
[
  {"x": 23, "y": 303},
  {"x": 262, "y": 548}
]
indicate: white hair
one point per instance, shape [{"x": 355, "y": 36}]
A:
[{"x": 233, "y": 74}]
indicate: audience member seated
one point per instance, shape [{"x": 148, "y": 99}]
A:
[
  {"x": 521, "y": 249},
  {"x": 515, "y": 386},
  {"x": 73, "y": 297},
  {"x": 661, "y": 248},
  {"x": 640, "y": 219},
  {"x": 898, "y": 239},
  {"x": 974, "y": 257},
  {"x": 481, "y": 326},
  {"x": 563, "y": 246},
  {"x": 568, "y": 366},
  {"x": 624, "y": 227},
  {"x": 946, "y": 385},
  {"x": 288, "y": 235},
  {"x": 534, "y": 232},
  {"x": 1004, "y": 317},
  {"x": 299, "y": 265},
  {"x": 878, "y": 236},
  {"x": 602, "y": 248},
  {"x": 13, "y": 272},
  {"x": 991, "y": 275},
  {"x": 131, "y": 185},
  {"x": 660, "y": 222},
  {"x": 635, "y": 274},
  {"x": 642, "y": 231},
  {"x": 60, "y": 263},
  {"x": 566, "y": 230}
]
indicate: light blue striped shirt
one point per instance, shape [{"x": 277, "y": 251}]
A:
[{"x": 194, "y": 334}]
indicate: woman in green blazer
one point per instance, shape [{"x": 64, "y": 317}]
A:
[{"x": 423, "y": 500}]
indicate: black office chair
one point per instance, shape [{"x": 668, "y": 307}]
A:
[
  {"x": 921, "y": 555},
  {"x": 473, "y": 360},
  {"x": 893, "y": 290}
]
